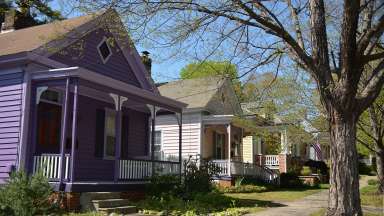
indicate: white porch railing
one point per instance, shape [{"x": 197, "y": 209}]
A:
[
  {"x": 271, "y": 161},
  {"x": 49, "y": 165},
  {"x": 132, "y": 169},
  {"x": 246, "y": 169}
]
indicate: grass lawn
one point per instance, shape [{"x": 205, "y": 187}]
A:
[
  {"x": 322, "y": 212},
  {"x": 370, "y": 197},
  {"x": 280, "y": 195}
]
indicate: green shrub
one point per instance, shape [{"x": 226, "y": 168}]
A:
[
  {"x": 318, "y": 166},
  {"x": 290, "y": 180},
  {"x": 243, "y": 189},
  {"x": 305, "y": 171},
  {"x": 197, "y": 177},
  {"x": 164, "y": 184},
  {"x": 24, "y": 196},
  {"x": 364, "y": 169},
  {"x": 373, "y": 182}
]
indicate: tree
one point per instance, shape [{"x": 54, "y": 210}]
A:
[
  {"x": 331, "y": 41},
  {"x": 209, "y": 68},
  {"x": 371, "y": 135},
  {"x": 29, "y": 12}
]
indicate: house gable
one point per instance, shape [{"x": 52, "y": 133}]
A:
[
  {"x": 225, "y": 101},
  {"x": 84, "y": 52}
]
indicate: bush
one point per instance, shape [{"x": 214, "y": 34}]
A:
[
  {"x": 243, "y": 189},
  {"x": 306, "y": 171},
  {"x": 25, "y": 196},
  {"x": 373, "y": 182},
  {"x": 364, "y": 169},
  {"x": 290, "y": 180},
  {"x": 164, "y": 184},
  {"x": 318, "y": 166}
]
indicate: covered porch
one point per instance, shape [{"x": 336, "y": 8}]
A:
[
  {"x": 89, "y": 132},
  {"x": 223, "y": 146}
]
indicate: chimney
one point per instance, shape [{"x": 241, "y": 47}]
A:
[
  {"x": 9, "y": 21},
  {"x": 147, "y": 61}
]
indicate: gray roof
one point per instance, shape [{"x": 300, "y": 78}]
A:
[
  {"x": 197, "y": 93},
  {"x": 31, "y": 38}
]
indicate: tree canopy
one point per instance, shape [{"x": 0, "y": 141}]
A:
[
  {"x": 29, "y": 12},
  {"x": 209, "y": 68}
]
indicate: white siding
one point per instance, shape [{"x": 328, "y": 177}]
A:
[{"x": 170, "y": 134}]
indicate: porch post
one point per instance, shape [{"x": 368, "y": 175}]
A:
[
  {"x": 229, "y": 128},
  {"x": 153, "y": 116},
  {"x": 63, "y": 132},
  {"x": 74, "y": 128},
  {"x": 179, "y": 117}
]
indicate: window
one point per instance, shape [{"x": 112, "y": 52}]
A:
[
  {"x": 110, "y": 134},
  {"x": 158, "y": 148},
  {"x": 104, "y": 50},
  {"x": 51, "y": 96},
  {"x": 219, "y": 145}
]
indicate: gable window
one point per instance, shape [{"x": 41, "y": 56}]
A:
[
  {"x": 109, "y": 134},
  {"x": 104, "y": 50},
  {"x": 158, "y": 147}
]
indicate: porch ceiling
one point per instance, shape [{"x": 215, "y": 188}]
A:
[{"x": 104, "y": 83}]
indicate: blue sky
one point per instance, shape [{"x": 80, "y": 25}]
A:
[{"x": 162, "y": 70}]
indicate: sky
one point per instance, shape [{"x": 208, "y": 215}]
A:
[{"x": 162, "y": 70}]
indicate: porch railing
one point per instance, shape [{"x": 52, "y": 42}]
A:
[
  {"x": 271, "y": 160},
  {"x": 133, "y": 169},
  {"x": 246, "y": 169},
  {"x": 49, "y": 165}
]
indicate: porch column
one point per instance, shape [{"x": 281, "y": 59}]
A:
[
  {"x": 74, "y": 128},
  {"x": 179, "y": 117},
  {"x": 153, "y": 110},
  {"x": 229, "y": 130},
  {"x": 63, "y": 132}
]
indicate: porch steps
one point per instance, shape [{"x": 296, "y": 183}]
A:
[{"x": 108, "y": 203}]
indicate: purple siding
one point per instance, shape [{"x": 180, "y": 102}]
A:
[
  {"x": 10, "y": 114},
  {"x": 84, "y": 53},
  {"x": 88, "y": 166}
]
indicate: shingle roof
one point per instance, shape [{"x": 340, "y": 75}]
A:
[
  {"x": 195, "y": 92},
  {"x": 31, "y": 38}
]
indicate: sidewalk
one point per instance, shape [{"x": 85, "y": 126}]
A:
[{"x": 309, "y": 204}]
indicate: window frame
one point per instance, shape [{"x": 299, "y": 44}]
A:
[
  {"x": 161, "y": 142},
  {"x": 60, "y": 93},
  {"x": 104, "y": 40},
  {"x": 108, "y": 112},
  {"x": 222, "y": 138}
]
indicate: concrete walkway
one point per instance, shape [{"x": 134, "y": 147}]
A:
[{"x": 309, "y": 205}]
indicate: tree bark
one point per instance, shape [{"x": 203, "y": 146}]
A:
[
  {"x": 344, "y": 197},
  {"x": 380, "y": 168}
]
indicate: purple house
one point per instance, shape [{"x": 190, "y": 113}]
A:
[{"x": 78, "y": 105}]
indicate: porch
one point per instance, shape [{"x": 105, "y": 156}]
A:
[
  {"x": 228, "y": 168},
  {"x": 88, "y": 132}
]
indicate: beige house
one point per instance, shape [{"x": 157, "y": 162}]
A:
[{"x": 209, "y": 128}]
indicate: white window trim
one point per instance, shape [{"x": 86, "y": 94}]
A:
[
  {"x": 161, "y": 139},
  {"x": 105, "y": 39},
  {"x": 108, "y": 111}
]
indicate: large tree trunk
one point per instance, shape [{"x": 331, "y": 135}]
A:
[
  {"x": 344, "y": 197},
  {"x": 380, "y": 168}
]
